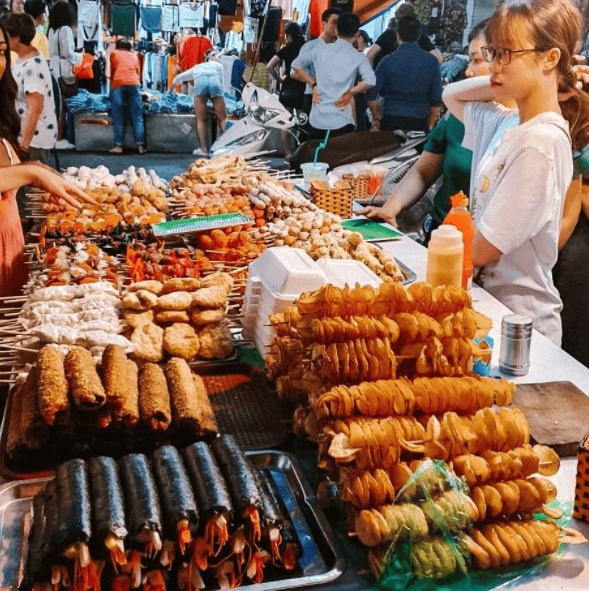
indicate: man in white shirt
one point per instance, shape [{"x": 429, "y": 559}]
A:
[{"x": 337, "y": 67}]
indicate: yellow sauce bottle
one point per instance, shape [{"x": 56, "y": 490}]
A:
[{"x": 445, "y": 257}]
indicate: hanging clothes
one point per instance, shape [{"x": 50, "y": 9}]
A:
[
  {"x": 227, "y": 7},
  {"x": 124, "y": 20},
  {"x": 234, "y": 41},
  {"x": 227, "y": 63},
  {"x": 151, "y": 18},
  {"x": 316, "y": 9},
  {"x": 192, "y": 51},
  {"x": 89, "y": 21}
]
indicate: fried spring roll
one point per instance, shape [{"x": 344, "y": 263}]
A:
[
  {"x": 34, "y": 430},
  {"x": 176, "y": 496},
  {"x": 206, "y": 417},
  {"x": 52, "y": 385},
  {"x": 183, "y": 395},
  {"x": 245, "y": 492},
  {"x": 154, "y": 398},
  {"x": 114, "y": 374},
  {"x": 85, "y": 385},
  {"x": 144, "y": 519},
  {"x": 74, "y": 525},
  {"x": 212, "y": 495},
  {"x": 108, "y": 507},
  {"x": 128, "y": 415}
]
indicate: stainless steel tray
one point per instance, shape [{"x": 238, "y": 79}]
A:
[{"x": 319, "y": 564}]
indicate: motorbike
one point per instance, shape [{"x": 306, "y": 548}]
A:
[{"x": 267, "y": 126}]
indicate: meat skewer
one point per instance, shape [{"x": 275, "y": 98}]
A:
[
  {"x": 144, "y": 519},
  {"x": 154, "y": 398},
  {"x": 52, "y": 385},
  {"x": 178, "y": 503},
  {"x": 241, "y": 482},
  {"x": 212, "y": 495},
  {"x": 86, "y": 388},
  {"x": 108, "y": 508}
]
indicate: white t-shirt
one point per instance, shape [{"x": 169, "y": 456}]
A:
[
  {"x": 517, "y": 205},
  {"x": 484, "y": 126},
  {"x": 32, "y": 75}
]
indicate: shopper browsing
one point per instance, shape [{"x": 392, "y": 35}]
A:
[
  {"x": 520, "y": 186},
  {"x": 337, "y": 67},
  {"x": 208, "y": 84},
  {"x": 125, "y": 95},
  {"x": 13, "y": 175}
]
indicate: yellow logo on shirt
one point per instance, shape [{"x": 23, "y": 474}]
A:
[{"x": 486, "y": 184}]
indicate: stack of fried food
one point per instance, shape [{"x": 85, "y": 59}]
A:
[
  {"x": 334, "y": 336},
  {"x": 182, "y": 317},
  {"x": 390, "y": 383},
  {"x": 69, "y": 404},
  {"x": 64, "y": 265}
]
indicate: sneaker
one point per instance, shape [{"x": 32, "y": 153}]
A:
[
  {"x": 64, "y": 145},
  {"x": 198, "y": 152}
]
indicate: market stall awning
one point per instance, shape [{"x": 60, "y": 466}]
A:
[{"x": 366, "y": 9}]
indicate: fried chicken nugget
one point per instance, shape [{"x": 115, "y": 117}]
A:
[
  {"x": 149, "y": 342},
  {"x": 164, "y": 316},
  {"x": 148, "y": 285},
  {"x": 180, "y": 284},
  {"x": 210, "y": 297},
  {"x": 181, "y": 340},
  {"x": 202, "y": 316},
  {"x": 218, "y": 280},
  {"x": 215, "y": 341},
  {"x": 135, "y": 319},
  {"x": 139, "y": 300},
  {"x": 177, "y": 300}
]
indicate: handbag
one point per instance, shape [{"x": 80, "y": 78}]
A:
[
  {"x": 84, "y": 71},
  {"x": 292, "y": 93},
  {"x": 68, "y": 85}
]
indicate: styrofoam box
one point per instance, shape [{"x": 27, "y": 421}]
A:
[
  {"x": 340, "y": 272},
  {"x": 288, "y": 271}
]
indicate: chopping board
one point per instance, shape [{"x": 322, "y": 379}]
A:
[{"x": 558, "y": 414}]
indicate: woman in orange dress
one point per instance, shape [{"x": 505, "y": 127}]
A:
[{"x": 13, "y": 271}]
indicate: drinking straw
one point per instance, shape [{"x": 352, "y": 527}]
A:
[{"x": 320, "y": 147}]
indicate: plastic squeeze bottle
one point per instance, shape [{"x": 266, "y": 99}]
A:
[
  {"x": 445, "y": 255},
  {"x": 459, "y": 216}
]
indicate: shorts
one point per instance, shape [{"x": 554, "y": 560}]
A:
[{"x": 207, "y": 86}]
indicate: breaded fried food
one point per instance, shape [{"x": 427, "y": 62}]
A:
[
  {"x": 201, "y": 316},
  {"x": 178, "y": 300},
  {"x": 206, "y": 417},
  {"x": 180, "y": 284},
  {"x": 139, "y": 300},
  {"x": 128, "y": 415},
  {"x": 52, "y": 385},
  {"x": 114, "y": 376},
  {"x": 215, "y": 341},
  {"x": 134, "y": 318},
  {"x": 147, "y": 285},
  {"x": 154, "y": 398},
  {"x": 149, "y": 342},
  {"x": 183, "y": 395},
  {"x": 218, "y": 279},
  {"x": 164, "y": 316},
  {"x": 210, "y": 297},
  {"x": 181, "y": 340},
  {"x": 85, "y": 385}
]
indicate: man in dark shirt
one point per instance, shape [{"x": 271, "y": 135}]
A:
[
  {"x": 409, "y": 81},
  {"x": 387, "y": 42}
]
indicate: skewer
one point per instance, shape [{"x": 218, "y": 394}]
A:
[{"x": 17, "y": 348}]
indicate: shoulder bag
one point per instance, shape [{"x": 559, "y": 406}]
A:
[{"x": 67, "y": 84}]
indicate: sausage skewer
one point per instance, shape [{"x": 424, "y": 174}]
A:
[
  {"x": 85, "y": 385},
  {"x": 52, "y": 385},
  {"x": 114, "y": 376},
  {"x": 154, "y": 398},
  {"x": 128, "y": 415},
  {"x": 108, "y": 508}
]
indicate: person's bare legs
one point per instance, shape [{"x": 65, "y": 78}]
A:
[
  {"x": 200, "y": 111},
  {"x": 220, "y": 112}
]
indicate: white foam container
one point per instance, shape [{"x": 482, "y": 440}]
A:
[{"x": 342, "y": 272}]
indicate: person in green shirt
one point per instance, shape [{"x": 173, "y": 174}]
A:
[{"x": 442, "y": 155}]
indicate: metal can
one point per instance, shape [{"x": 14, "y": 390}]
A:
[{"x": 516, "y": 338}]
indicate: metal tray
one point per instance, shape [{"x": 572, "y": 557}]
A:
[
  {"x": 319, "y": 564},
  {"x": 243, "y": 400}
]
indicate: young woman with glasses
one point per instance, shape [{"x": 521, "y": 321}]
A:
[{"x": 519, "y": 187}]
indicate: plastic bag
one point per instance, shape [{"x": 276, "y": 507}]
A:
[{"x": 84, "y": 70}]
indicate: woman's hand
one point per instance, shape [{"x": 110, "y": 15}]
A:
[
  {"x": 60, "y": 190},
  {"x": 382, "y": 214}
]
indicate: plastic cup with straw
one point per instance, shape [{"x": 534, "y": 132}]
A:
[{"x": 315, "y": 170}]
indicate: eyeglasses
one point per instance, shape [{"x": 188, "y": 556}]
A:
[{"x": 501, "y": 54}]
